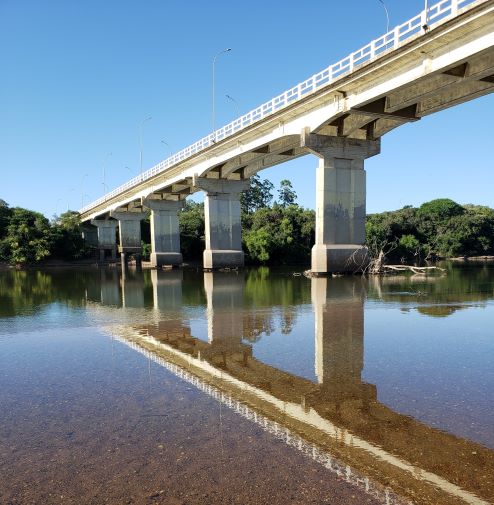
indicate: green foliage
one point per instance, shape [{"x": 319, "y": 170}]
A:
[
  {"x": 281, "y": 234},
  {"x": 28, "y": 236},
  {"x": 5, "y": 214},
  {"x": 409, "y": 248},
  {"x": 66, "y": 237},
  {"x": 258, "y": 196},
  {"x": 440, "y": 227},
  {"x": 286, "y": 194},
  {"x": 191, "y": 222},
  {"x": 440, "y": 210},
  {"x": 146, "y": 250}
]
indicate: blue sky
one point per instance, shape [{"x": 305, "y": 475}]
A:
[{"x": 79, "y": 77}]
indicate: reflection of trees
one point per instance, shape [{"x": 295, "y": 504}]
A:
[
  {"x": 257, "y": 323},
  {"x": 460, "y": 284},
  {"x": 30, "y": 290},
  {"x": 282, "y": 289}
]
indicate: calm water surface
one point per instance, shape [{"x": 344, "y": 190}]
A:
[{"x": 184, "y": 387}]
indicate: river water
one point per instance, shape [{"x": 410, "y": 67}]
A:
[{"x": 252, "y": 387}]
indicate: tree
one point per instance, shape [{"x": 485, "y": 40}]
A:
[
  {"x": 258, "y": 196},
  {"x": 67, "y": 241},
  {"x": 5, "y": 213},
  {"x": 284, "y": 235},
  {"x": 191, "y": 222},
  {"x": 28, "y": 236},
  {"x": 286, "y": 194}
]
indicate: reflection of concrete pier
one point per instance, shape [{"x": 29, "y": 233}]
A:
[
  {"x": 225, "y": 302},
  {"x": 339, "y": 332},
  {"x": 167, "y": 289}
]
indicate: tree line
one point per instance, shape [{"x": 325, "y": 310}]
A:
[{"x": 274, "y": 230}]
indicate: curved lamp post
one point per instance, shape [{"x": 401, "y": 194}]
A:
[
  {"x": 140, "y": 140},
  {"x": 387, "y": 15},
  {"x": 82, "y": 190},
  {"x": 214, "y": 65},
  {"x": 235, "y": 104}
]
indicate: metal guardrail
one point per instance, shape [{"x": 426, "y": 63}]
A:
[{"x": 437, "y": 13}]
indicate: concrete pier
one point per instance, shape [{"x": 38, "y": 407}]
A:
[
  {"x": 165, "y": 232},
  {"x": 340, "y": 202},
  {"x": 129, "y": 226},
  {"x": 222, "y": 222},
  {"x": 106, "y": 233}
]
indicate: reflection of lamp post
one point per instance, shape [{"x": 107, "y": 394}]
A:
[
  {"x": 140, "y": 140},
  {"x": 235, "y": 104},
  {"x": 214, "y": 64},
  {"x": 82, "y": 190},
  {"x": 387, "y": 15}
]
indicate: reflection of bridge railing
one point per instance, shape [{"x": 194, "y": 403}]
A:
[
  {"x": 383, "y": 495},
  {"x": 431, "y": 465},
  {"x": 436, "y": 14}
]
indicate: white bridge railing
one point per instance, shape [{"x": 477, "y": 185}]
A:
[{"x": 438, "y": 13}]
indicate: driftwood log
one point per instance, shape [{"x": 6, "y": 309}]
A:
[{"x": 411, "y": 268}]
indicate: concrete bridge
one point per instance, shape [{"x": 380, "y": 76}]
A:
[{"x": 442, "y": 57}]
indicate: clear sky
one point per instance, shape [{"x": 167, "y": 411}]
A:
[{"x": 79, "y": 77}]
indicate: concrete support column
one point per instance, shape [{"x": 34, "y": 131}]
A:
[
  {"x": 106, "y": 233},
  {"x": 129, "y": 226},
  {"x": 340, "y": 202},
  {"x": 222, "y": 222},
  {"x": 165, "y": 232}
]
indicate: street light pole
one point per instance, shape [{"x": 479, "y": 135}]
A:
[
  {"x": 168, "y": 145},
  {"x": 140, "y": 140},
  {"x": 387, "y": 15},
  {"x": 214, "y": 65},
  {"x": 82, "y": 190},
  {"x": 104, "y": 171},
  {"x": 235, "y": 104}
]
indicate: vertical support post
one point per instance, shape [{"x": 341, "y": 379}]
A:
[
  {"x": 106, "y": 232},
  {"x": 340, "y": 202},
  {"x": 165, "y": 232},
  {"x": 129, "y": 225},
  {"x": 222, "y": 222}
]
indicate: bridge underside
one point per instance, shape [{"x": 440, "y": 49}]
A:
[{"x": 341, "y": 124}]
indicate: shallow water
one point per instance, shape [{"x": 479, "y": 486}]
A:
[{"x": 252, "y": 387}]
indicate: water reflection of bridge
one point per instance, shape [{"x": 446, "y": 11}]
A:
[{"x": 340, "y": 413}]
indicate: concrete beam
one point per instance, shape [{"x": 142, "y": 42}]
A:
[{"x": 165, "y": 232}]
